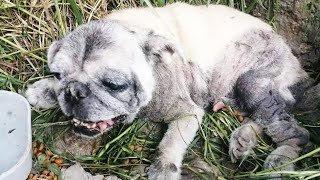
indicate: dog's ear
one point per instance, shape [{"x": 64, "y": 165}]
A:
[
  {"x": 159, "y": 49},
  {"x": 53, "y": 50}
]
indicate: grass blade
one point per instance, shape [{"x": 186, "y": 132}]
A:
[{"x": 76, "y": 11}]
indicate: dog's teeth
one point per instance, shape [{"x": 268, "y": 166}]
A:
[
  {"x": 75, "y": 120},
  {"x": 92, "y": 125}
]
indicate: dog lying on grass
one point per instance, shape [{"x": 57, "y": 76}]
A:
[{"x": 169, "y": 64}]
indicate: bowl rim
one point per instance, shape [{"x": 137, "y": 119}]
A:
[{"x": 27, "y": 152}]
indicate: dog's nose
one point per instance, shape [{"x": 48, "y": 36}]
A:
[{"x": 77, "y": 91}]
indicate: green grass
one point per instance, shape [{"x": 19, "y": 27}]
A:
[{"x": 26, "y": 30}]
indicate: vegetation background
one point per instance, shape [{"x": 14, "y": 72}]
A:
[{"x": 27, "y": 27}]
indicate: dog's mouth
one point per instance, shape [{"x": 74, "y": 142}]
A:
[{"x": 91, "y": 128}]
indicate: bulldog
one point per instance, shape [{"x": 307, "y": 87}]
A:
[{"x": 170, "y": 64}]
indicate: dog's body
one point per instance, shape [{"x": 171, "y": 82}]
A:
[{"x": 169, "y": 64}]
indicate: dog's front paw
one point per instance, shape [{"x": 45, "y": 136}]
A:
[
  {"x": 274, "y": 161},
  {"x": 41, "y": 94},
  {"x": 278, "y": 157},
  {"x": 163, "y": 171},
  {"x": 242, "y": 141}
]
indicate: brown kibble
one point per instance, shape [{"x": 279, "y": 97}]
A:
[
  {"x": 30, "y": 176},
  {"x": 36, "y": 176},
  {"x": 41, "y": 147},
  {"x": 58, "y": 161},
  {"x": 55, "y": 177},
  {"x": 240, "y": 118},
  {"x": 51, "y": 174},
  {"x": 45, "y": 172},
  {"x": 49, "y": 153},
  {"x": 49, "y": 178},
  {"x": 34, "y": 144},
  {"x": 236, "y": 113},
  {"x": 38, "y": 153},
  {"x": 35, "y": 150}
]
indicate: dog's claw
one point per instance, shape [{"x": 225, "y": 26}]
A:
[{"x": 242, "y": 142}]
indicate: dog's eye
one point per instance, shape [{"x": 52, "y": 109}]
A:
[
  {"x": 114, "y": 86},
  {"x": 56, "y": 75}
]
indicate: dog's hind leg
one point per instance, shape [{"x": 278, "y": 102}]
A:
[{"x": 271, "y": 111}]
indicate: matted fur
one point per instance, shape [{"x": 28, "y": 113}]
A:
[{"x": 174, "y": 62}]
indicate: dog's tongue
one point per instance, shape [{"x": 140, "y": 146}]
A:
[{"x": 102, "y": 125}]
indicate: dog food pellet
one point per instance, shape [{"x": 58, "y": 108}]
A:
[
  {"x": 35, "y": 150},
  {"x": 41, "y": 147},
  {"x": 38, "y": 153},
  {"x": 240, "y": 118},
  {"x": 58, "y": 161},
  {"x": 45, "y": 172},
  {"x": 47, "y": 157},
  {"x": 36, "y": 176},
  {"x": 49, "y": 153}
]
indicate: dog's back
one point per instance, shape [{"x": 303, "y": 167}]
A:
[{"x": 202, "y": 31}]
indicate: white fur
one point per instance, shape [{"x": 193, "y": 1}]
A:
[{"x": 203, "y": 32}]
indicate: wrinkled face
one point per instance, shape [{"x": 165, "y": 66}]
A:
[{"x": 102, "y": 76}]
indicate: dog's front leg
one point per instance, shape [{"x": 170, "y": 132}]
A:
[
  {"x": 173, "y": 146},
  {"x": 41, "y": 94}
]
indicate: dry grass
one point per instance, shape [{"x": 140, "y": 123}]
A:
[{"x": 27, "y": 27}]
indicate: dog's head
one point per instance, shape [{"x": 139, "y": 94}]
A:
[{"x": 103, "y": 73}]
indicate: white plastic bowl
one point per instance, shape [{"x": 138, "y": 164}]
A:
[{"x": 15, "y": 137}]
